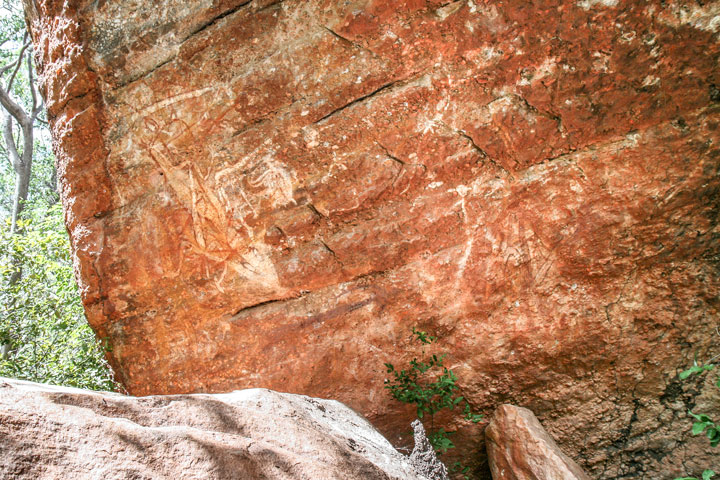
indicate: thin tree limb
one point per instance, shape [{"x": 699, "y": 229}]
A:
[
  {"x": 36, "y": 106},
  {"x": 14, "y": 109},
  {"x": 18, "y": 62},
  {"x": 15, "y": 62}
]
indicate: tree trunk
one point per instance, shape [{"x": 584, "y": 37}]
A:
[{"x": 22, "y": 187}]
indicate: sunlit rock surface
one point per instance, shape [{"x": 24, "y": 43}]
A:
[
  {"x": 272, "y": 193},
  {"x": 519, "y": 448},
  {"x": 49, "y": 432}
]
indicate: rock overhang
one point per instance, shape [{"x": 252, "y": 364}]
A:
[{"x": 273, "y": 193}]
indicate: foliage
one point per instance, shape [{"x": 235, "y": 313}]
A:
[
  {"x": 44, "y": 336},
  {"x": 706, "y": 475},
  {"x": 703, "y": 423},
  {"x": 41, "y": 317},
  {"x": 431, "y": 387}
]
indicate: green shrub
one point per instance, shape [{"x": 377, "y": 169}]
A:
[
  {"x": 703, "y": 423},
  {"x": 42, "y": 324},
  {"x": 431, "y": 387}
]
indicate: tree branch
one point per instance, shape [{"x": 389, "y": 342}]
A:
[
  {"x": 35, "y": 109},
  {"x": 14, "y": 155},
  {"x": 15, "y": 62},
  {"x": 18, "y": 62},
  {"x": 12, "y": 107}
]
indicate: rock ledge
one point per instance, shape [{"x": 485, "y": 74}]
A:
[{"x": 49, "y": 432}]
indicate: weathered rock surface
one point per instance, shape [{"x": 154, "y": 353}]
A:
[
  {"x": 51, "y": 432},
  {"x": 519, "y": 448},
  {"x": 271, "y": 193},
  {"x": 423, "y": 457}
]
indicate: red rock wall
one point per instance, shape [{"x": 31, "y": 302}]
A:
[{"x": 272, "y": 193}]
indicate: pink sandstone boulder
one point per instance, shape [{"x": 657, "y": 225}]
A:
[
  {"x": 50, "y": 433},
  {"x": 268, "y": 193},
  {"x": 519, "y": 448}
]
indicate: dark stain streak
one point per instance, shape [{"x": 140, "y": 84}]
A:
[
  {"x": 339, "y": 311},
  {"x": 390, "y": 155},
  {"x": 247, "y": 309},
  {"x": 314, "y": 210},
  {"x": 214, "y": 21},
  {"x": 377, "y": 91},
  {"x": 332, "y": 252},
  {"x": 483, "y": 154},
  {"x": 340, "y": 37}
]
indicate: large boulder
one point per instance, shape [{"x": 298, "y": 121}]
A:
[
  {"x": 271, "y": 194},
  {"x": 51, "y": 432},
  {"x": 519, "y": 448}
]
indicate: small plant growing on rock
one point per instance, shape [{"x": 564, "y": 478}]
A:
[
  {"x": 703, "y": 423},
  {"x": 431, "y": 387}
]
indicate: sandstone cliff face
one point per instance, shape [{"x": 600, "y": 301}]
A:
[{"x": 271, "y": 193}]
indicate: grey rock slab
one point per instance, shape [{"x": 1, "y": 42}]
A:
[{"x": 49, "y": 432}]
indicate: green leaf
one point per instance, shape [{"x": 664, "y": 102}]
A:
[
  {"x": 440, "y": 440},
  {"x": 701, "y": 417},
  {"x": 694, "y": 369},
  {"x": 708, "y": 474},
  {"x": 698, "y": 427}
]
